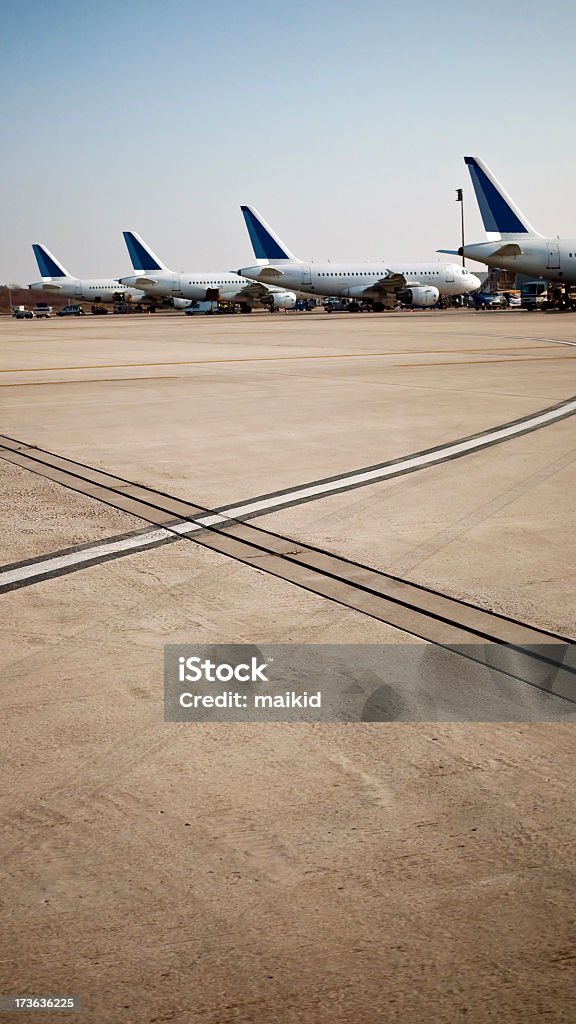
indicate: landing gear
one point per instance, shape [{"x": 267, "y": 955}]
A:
[
  {"x": 378, "y": 307},
  {"x": 245, "y": 309}
]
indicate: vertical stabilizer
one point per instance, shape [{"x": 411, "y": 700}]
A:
[
  {"x": 268, "y": 248},
  {"x": 48, "y": 265},
  {"x": 500, "y": 215},
  {"x": 141, "y": 255}
]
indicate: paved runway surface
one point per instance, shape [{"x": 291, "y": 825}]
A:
[{"x": 221, "y": 873}]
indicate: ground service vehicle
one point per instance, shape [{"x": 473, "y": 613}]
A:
[
  {"x": 533, "y": 294},
  {"x": 334, "y": 304},
  {"x": 42, "y": 311},
  {"x": 201, "y": 307},
  {"x": 71, "y": 311},
  {"x": 22, "y": 314},
  {"x": 489, "y": 300}
]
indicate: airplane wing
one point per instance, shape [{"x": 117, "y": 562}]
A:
[
  {"x": 254, "y": 290},
  {"x": 389, "y": 284}
]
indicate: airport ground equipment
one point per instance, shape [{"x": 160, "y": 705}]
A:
[
  {"x": 42, "y": 311},
  {"x": 72, "y": 310}
]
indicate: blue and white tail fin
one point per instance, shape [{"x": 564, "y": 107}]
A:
[
  {"x": 268, "y": 248},
  {"x": 48, "y": 265},
  {"x": 501, "y": 217},
  {"x": 142, "y": 257}
]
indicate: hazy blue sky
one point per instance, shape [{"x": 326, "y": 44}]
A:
[{"x": 344, "y": 123}]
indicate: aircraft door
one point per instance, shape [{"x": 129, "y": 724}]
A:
[
  {"x": 449, "y": 271},
  {"x": 553, "y": 256},
  {"x": 175, "y": 286},
  {"x": 306, "y": 276}
]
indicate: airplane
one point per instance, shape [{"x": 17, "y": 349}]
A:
[
  {"x": 511, "y": 241},
  {"x": 156, "y": 280},
  {"x": 382, "y": 284},
  {"x": 55, "y": 278}
]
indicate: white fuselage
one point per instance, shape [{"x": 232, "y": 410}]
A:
[
  {"x": 363, "y": 280},
  {"x": 553, "y": 259},
  {"x": 195, "y": 286},
  {"x": 104, "y": 290}
]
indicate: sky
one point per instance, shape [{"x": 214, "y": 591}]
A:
[{"x": 344, "y": 123}]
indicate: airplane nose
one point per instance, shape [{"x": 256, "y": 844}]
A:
[{"x": 475, "y": 283}]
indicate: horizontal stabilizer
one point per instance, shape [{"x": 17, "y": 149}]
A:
[
  {"x": 450, "y": 252},
  {"x": 271, "y": 272},
  {"x": 510, "y": 249},
  {"x": 264, "y": 273}
]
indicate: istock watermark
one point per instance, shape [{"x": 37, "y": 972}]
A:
[
  {"x": 369, "y": 683},
  {"x": 194, "y": 670}
]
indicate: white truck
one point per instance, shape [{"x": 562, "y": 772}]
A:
[
  {"x": 533, "y": 294},
  {"x": 42, "y": 311}
]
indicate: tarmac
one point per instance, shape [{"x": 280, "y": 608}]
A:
[{"x": 263, "y": 872}]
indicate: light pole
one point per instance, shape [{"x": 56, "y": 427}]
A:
[{"x": 460, "y": 199}]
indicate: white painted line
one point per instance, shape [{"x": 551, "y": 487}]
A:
[
  {"x": 260, "y": 506},
  {"x": 557, "y": 341},
  {"x": 412, "y": 462},
  {"x": 46, "y": 566}
]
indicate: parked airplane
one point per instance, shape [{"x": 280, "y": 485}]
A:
[
  {"x": 512, "y": 243},
  {"x": 156, "y": 280},
  {"x": 382, "y": 284},
  {"x": 55, "y": 278}
]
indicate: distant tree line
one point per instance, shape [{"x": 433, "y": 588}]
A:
[{"x": 15, "y": 295}]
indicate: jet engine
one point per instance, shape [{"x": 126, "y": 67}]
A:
[
  {"x": 179, "y": 303},
  {"x": 281, "y": 300},
  {"x": 421, "y": 296}
]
